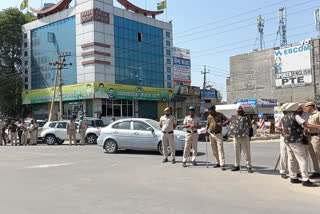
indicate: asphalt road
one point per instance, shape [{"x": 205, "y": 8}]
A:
[{"x": 84, "y": 179}]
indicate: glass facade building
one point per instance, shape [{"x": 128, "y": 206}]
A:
[
  {"x": 46, "y": 43},
  {"x": 138, "y": 53}
]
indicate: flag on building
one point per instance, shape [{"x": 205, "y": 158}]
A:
[
  {"x": 162, "y": 5},
  {"x": 24, "y": 4}
]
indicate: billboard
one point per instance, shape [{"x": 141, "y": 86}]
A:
[
  {"x": 209, "y": 94},
  {"x": 69, "y": 92},
  {"x": 293, "y": 65},
  {"x": 131, "y": 92},
  {"x": 98, "y": 90},
  {"x": 181, "y": 65},
  {"x": 253, "y": 103}
]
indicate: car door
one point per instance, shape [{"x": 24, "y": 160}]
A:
[
  {"x": 122, "y": 134},
  {"x": 61, "y": 131},
  {"x": 143, "y": 138}
]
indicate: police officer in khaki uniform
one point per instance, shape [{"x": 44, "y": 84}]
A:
[
  {"x": 33, "y": 133},
  {"x": 191, "y": 123},
  {"x": 314, "y": 140},
  {"x": 83, "y": 125},
  {"x": 71, "y": 131},
  {"x": 168, "y": 123},
  {"x": 240, "y": 129},
  {"x": 293, "y": 125},
  {"x": 24, "y": 135},
  {"x": 215, "y": 121},
  {"x": 13, "y": 133}
]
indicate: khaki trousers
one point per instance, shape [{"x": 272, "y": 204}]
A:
[
  {"x": 242, "y": 144},
  {"x": 14, "y": 138},
  {"x": 1, "y": 140},
  {"x": 72, "y": 135},
  {"x": 24, "y": 138},
  {"x": 191, "y": 138},
  {"x": 314, "y": 150},
  {"x": 168, "y": 139},
  {"x": 298, "y": 150},
  {"x": 82, "y": 137},
  {"x": 216, "y": 141}
]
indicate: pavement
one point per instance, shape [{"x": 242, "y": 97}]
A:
[{"x": 83, "y": 179}]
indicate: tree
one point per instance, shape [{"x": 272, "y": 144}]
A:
[{"x": 11, "y": 20}]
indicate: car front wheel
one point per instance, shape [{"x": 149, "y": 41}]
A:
[
  {"x": 110, "y": 146},
  {"x": 91, "y": 139},
  {"x": 50, "y": 139},
  {"x": 160, "y": 149}
]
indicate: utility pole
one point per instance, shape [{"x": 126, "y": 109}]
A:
[
  {"x": 61, "y": 64},
  {"x": 317, "y": 20},
  {"x": 54, "y": 92},
  {"x": 203, "y": 89}
]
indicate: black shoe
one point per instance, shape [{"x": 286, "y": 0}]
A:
[
  {"x": 216, "y": 166},
  {"x": 223, "y": 168},
  {"x": 249, "y": 170},
  {"x": 236, "y": 168},
  {"x": 315, "y": 175},
  {"x": 284, "y": 176},
  {"x": 173, "y": 161},
  {"x": 299, "y": 175},
  {"x": 295, "y": 181},
  {"x": 194, "y": 163},
  {"x": 184, "y": 164},
  {"x": 308, "y": 183},
  {"x": 165, "y": 160}
]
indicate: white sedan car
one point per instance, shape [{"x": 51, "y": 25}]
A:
[{"x": 136, "y": 134}]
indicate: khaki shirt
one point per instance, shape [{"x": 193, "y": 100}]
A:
[
  {"x": 213, "y": 120},
  {"x": 314, "y": 118},
  {"x": 71, "y": 127},
  {"x": 83, "y": 125},
  {"x": 188, "y": 120},
  {"x": 167, "y": 123}
]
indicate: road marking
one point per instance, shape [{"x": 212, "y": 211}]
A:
[{"x": 48, "y": 165}]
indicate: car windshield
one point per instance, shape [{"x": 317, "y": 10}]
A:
[
  {"x": 154, "y": 124},
  {"x": 99, "y": 123}
]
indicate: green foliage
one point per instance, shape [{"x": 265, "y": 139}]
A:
[{"x": 11, "y": 20}]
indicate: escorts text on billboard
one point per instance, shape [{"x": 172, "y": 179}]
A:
[{"x": 293, "y": 66}]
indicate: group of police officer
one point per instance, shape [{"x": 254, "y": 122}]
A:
[
  {"x": 239, "y": 127},
  {"x": 300, "y": 135}
]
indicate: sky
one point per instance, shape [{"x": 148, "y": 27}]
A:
[{"x": 214, "y": 30}]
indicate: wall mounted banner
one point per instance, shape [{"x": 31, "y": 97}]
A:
[
  {"x": 98, "y": 90},
  {"x": 131, "y": 92},
  {"x": 69, "y": 92},
  {"x": 293, "y": 66}
]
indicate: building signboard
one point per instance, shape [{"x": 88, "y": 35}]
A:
[
  {"x": 253, "y": 103},
  {"x": 95, "y": 15},
  {"x": 131, "y": 92},
  {"x": 293, "y": 65},
  {"x": 69, "y": 92},
  {"x": 181, "y": 65},
  {"x": 98, "y": 90},
  {"x": 209, "y": 94}
]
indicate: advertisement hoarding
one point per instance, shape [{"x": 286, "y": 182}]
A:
[
  {"x": 98, "y": 90},
  {"x": 181, "y": 65},
  {"x": 209, "y": 94},
  {"x": 293, "y": 66}
]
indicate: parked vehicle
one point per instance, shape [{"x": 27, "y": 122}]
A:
[
  {"x": 136, "y": 134},
  {"x": 94, "y": 125},
  {"x": 55, "y": 132}
]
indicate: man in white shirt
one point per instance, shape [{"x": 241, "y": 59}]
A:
[{"x": 168, "y": 123}]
